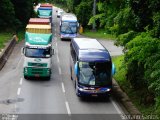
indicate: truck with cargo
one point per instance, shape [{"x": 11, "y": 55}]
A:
[
  {"x": 37, "y": 55},
  {"x": 38, "y": 28},
  {"x": 45, "y": 12},
  {"x": 41, "y": 21}
]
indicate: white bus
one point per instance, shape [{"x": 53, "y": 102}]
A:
[{"x": 68, "y": 26}]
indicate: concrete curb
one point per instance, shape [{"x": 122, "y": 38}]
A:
[
  {"x": 7, "y": 51},
  {"x": 121, "y": 96}
]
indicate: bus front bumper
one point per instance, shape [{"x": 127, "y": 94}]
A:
[
  {"x": 99, "y": 92},
  {"x": 67, "y": 36}
]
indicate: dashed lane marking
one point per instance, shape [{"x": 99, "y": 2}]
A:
[
  {"x": 21, "y": 80},
  {"x": 18, "y": 91},
  {"x": 60, "y": 72},
  {"x": 68, "y": 109},
  {"x": 63, "y": 89}
]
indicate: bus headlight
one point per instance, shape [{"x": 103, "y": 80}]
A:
[
  {"x": 109, "y": 89},
  {"x": 25, "y": 70},
  {"x": 48, "y": 71}
]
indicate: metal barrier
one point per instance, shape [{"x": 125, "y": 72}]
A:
[{"x": 7, "y": 51}]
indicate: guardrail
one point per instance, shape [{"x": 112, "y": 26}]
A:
[{"x": 7, "y": 51}]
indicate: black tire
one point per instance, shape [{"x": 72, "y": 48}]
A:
[
  {"x": 25, "y": 77},
  {"x": 48, "y": 78},
  {"x": 71, "y": 73}
]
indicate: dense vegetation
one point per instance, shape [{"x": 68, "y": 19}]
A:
[
  {"x": 15, "y": 14},
  {"x": 136, "y": 23}
]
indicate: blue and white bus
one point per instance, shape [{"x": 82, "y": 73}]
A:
[
  {"x": 91, "y": 68},
  {"x": 68, "y": 26}
]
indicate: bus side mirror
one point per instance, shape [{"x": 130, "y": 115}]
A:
[
  {"x": 22, "y": 51},
  {"x": 76, "y": 68},
  {"x": 113, "y": 69},
  {"x": 78, "y": 25},
  {"x": 53, "y": 52}
]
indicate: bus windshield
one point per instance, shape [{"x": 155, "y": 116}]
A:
[
  {"x": 95, "y": 73},
  {"x": 37, "y": 53},
  {"x": 69, "y": 27}
]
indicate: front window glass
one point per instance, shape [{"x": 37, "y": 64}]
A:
[
  {"x": 69, "y": 27},
  {"x": 38, "y": 53},
  {"x": 95, "y": 73}
]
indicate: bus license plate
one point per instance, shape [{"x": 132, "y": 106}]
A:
[
  {"x": 36, "y": 75},
  {"x": 94, "y": 95}
]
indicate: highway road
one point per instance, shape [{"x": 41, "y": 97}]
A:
[{"x": 53, "y": 99}]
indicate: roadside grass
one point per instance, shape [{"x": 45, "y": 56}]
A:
[
  {"x": 101, "y": 34},
  {"x": 21, "y": 35},
  {"x": 134, "y": 95},
  {"x": 4, "y": 37}
]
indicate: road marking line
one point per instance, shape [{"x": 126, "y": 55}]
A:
[
  {"x": 21, "y": 81},
  {"x": 63, "y": 89},
  {"x": 60, "y": 72},
  {"x": 19, "y": 62},
  {"x": 57, "y": 59},
  {"x": 15, "y": 107},
  {"x": 115, "y": 105},
  {"x": 18, "y": 91},
  {"x": 57, "y": 51},
  {"x": 68, "y": 109},
  {"x": 56, "y": 44}
]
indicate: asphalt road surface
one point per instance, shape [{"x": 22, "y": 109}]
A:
[{"x": 54, "y": 99}]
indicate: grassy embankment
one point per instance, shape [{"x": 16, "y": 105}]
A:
[
  {"x": 101, "y": 34},
  {"x": 120, "y": 74},
  {"x": 6, "y": 36}
]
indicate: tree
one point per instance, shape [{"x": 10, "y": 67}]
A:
[
  {"x": 23, "y": 10},
  {"x": 7, "y": 15}
]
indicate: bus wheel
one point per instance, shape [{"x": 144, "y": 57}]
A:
[
  {"x": 71, "y": 73},
  {"x": 25, "y": 77},
  {"x": 48, "y": 78},
  {"x": 76, "y": 89}
]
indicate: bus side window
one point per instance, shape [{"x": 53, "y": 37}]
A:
[{"x": 73, "y": 53}]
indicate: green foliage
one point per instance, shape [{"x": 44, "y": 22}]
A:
[
  {"x": 23, "y": 10},
  {"x": 156, "y": 25},
  {"x": 142, "y": 12},
  {"x": 123, "y": 39},
  {"x": 84, "y": 7},
  {"x": 122, "y": 21},
  {"x": 7, "y": 14}
]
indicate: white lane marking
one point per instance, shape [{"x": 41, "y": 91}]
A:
[
  {"x": 19, "y": 62},
  {"x": 63, "y": 89},
  {"x": 57, "y": 59},
  {"x": 56, "y": 44},
  {"x": 21, "y": 80},
  {"x": 15, "y": 106},
  {"x": 57, "y": 51},
  {"x": 116, "y": 106},
  {"x": 60, "y": 72},
  {"x": 18, "y": 91},
  {"x": 68, "y": 109}
]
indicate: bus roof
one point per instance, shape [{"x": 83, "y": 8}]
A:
[
  {"x": 69, "y": 17},
  {"x": 38, "y": 39},
  {"x": 90, "y": 50}
]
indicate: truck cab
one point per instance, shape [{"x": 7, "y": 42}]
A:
[{"x": 37, "y": 55}]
